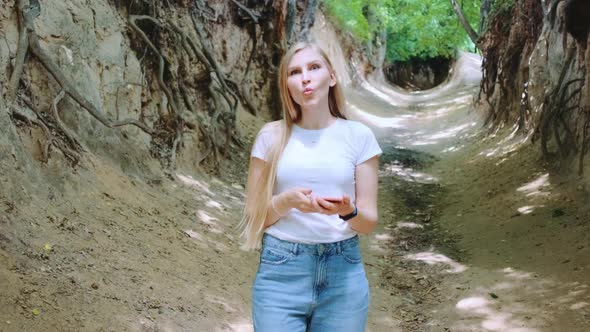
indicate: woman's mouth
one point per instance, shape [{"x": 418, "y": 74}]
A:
[{"x": 308, "y": 91}]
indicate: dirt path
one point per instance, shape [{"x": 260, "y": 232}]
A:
[
  {"x": 475, "y": 235},
  {"x": 524, "y": 235}
]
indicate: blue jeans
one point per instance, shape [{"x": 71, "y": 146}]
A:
[{"x": 310, "y": 287}]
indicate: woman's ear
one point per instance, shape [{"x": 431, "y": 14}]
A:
[{"x": 332, "y": 79}]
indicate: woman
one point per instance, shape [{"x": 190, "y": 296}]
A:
[{"x": 312, "y": 187}]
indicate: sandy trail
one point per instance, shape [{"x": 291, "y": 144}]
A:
[
  {"x": 474, "y": 234},
  {"x": 514, "y": 234}
]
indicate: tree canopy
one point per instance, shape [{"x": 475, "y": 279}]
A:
[{"x": 420, "y": 29}]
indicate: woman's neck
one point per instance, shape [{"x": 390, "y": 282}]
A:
[{"x": 316, "y": 119}]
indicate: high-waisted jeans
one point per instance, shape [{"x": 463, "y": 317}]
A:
[{"x": 310, "y": 287}]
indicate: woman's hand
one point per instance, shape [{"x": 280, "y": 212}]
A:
[
  {"x": 296, "y": 198},
  {"x": 303, "y": 200},
  {"x": 341, "y": 207}
]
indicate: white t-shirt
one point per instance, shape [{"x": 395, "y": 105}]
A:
[{"x": 323, "y": 160}]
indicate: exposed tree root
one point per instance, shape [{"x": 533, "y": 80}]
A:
[
  {"x": 161, "y": 62},
  {"x": 217, "y": 130},
  {"x": 29, "y": 41},
  {"x": 552, "y": 122},
  {"x": 73, "y": 141},
  {"x": 28, "y": 14},
  {"x": 254, "y": 17},
  {"x": 585, "y": 145},
  {"x": 68, "y": 150},
  {"x": 21, "y": 53}
]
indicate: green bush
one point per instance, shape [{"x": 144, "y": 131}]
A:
[{"x": 414, "y": 28}]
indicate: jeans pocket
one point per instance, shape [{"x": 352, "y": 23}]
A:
[
  {"x": 274, "y": 256},
  {"x": 352, "y": 254}
]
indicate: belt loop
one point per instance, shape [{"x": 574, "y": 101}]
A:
[
  {"x": 295, "y": 248},
  {"x": 339, "y": 247}
]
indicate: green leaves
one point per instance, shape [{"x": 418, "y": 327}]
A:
[
  {"x": 349, "y": 15},
  {"x": 414, "y": 28}
]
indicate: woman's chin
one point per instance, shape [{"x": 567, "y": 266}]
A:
[{"x": 309, "y": 103}]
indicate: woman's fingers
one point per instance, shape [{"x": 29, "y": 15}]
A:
[
  {"x": 330, "y": 207},
  {"x": 345, "y": 200},
  {"x": 325, "y": 204},
  {"x": 315, "y": 205},
  {"x": 308, "y": 203}
]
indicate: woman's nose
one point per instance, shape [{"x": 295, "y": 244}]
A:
[{"x": 305, "y": 77}]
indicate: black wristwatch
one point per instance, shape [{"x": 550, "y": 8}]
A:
[{"x": 350, "y": 215}]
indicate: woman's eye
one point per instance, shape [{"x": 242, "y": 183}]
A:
[
  {"x": 294, "y": 72},
  {"x": 315, "y": 66}
]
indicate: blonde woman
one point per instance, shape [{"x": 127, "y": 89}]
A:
[{"x": 312, "y": 187}]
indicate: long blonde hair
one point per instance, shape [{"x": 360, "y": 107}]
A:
[{"x": 260, "y": 194}]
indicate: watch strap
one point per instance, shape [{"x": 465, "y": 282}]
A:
[{"x": 350, "y": 215}]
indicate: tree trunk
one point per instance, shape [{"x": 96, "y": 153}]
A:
[
  {"x": 466, "y": 26},
  {"x": 308, "y": 18},
  {"x": 290, "y": 21},
  {"x": 484, "y": 10}
]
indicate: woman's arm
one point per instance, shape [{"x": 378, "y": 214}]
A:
[
  {"x": 281, "y": 203},
  {"x": 254, "y": 172},
  {"x": 366, "y": 175}
]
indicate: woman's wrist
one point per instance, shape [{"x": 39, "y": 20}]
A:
[
  {"x": 347, "y": 211},
  {"x": 279, "y": 204}
]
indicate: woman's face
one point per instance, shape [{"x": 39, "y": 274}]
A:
[{"x": 309, "y": 79}]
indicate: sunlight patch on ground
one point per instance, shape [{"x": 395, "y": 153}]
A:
[
  {"x": 220, "y": 246},
  {"x": 447, "y": 133},
  {"x": 206, "y": 218},
  {"x": 411, "y": 225},
  {"x": 214, "y": 204},
  {"x": 198, "y": 238},
  {"x": 409, "y": 174},
  {"x": 512, "y": 273},
  {"x": 505, "y": 304},
  {"x": 206, "y": 242},
  {"x": 220, "y": 302},
  {"x": 438, "y": 112},
  {"x": 432, "y": 258},
  {"x": 386, "y": 97},
  {"x": 191, "y": 182},
  {"x": 379, "y": 242},
  {"x": 376, "y": 247},
  {"x": 507, "y": 145},
  {"x": 210, "y": 221},
  {"x": 534, "y": 188},
  {"x": 465, "y": 99},
  {"x": 374, "y": 120},
  {"x": 579, "y": 305},
  {"x": 528, "y": 209},
  {"x": 453, "y": 148},
  {"x": 242, "y": 325},
  {"x": 194, "y": 235},
  {"x": 383, "y": 237},
  {"x": 492, "y": 319}
]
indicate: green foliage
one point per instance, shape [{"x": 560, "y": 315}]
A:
[
  {"x": 414, "y": 28},
  {"x": 501, "y": 10},
  {"x": 352, "y": 16},
  {"x": 501, "y": 7}
]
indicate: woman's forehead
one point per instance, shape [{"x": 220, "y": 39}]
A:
[{"x": 305, "y": 56}]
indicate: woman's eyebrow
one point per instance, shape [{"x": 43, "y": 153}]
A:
[{"x": 312, "y": 62}]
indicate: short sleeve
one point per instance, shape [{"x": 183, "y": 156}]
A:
[
  {"x": 262, "y": 143},
  {"x": 367, "y": 144}
]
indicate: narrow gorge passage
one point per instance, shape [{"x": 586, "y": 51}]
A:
[
  {"x": 484, "y": 203},
  {"x": 453, "y": 251}
]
